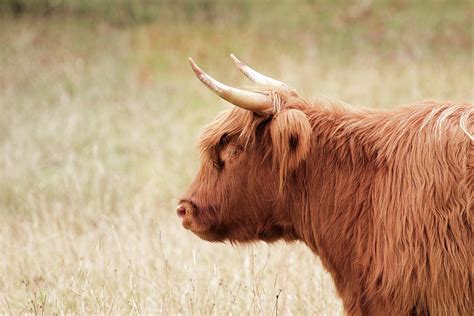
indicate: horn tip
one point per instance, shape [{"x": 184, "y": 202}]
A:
[
  {"x": 195, "y": 67},
  {"x": 236, "y": 60}
]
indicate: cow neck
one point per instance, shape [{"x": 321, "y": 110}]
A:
[{"x": 336, "y": 183}]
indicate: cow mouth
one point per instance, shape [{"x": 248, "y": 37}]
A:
[
  {"x": 212, "y": 234},
  {"x": 194, "y": 218},
  {"x": 204, "y": 222}
]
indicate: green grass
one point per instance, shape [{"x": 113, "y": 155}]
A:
[{"x": 98, "y": 129}]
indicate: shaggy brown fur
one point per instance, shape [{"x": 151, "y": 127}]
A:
[{"x": 385, "y": 198}]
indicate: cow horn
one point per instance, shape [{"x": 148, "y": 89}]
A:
[
  {"x": 257, "y": 77},
  {"x": 252, "y": 101}
]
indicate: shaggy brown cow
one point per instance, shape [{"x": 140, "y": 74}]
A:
[{"x": 384, "y": 198}]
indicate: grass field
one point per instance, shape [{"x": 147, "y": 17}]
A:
[{"x": 98, "y": 128}]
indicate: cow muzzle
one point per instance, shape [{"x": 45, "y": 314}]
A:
[{"x": 186, "y": 212}]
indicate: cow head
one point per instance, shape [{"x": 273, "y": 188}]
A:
[{"x": 250, "y": 156}]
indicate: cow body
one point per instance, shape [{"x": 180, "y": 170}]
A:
[
  {"x": 390, "y": 208},
  {"x": 384, "y": 198}
]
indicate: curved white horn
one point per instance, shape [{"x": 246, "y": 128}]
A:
[
  {"x": 252, "y": 101},
  {"x": 257, "y": 77}
]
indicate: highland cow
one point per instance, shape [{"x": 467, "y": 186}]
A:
[{"x": 384, "y": 197}]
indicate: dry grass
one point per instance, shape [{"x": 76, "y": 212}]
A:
[{"x": 98, "y": 128}]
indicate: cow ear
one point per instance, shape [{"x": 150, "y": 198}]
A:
[{"x": 291, "y": 135}]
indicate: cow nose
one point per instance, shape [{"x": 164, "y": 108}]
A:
[{"x": 181, "y": 210}]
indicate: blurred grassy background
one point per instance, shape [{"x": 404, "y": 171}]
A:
[{"x": 100, "y": 115}]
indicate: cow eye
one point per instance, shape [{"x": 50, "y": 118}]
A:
[{"x": 218, "y": 164}]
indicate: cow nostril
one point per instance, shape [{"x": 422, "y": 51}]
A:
[{"x": 181, "y": 210}]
